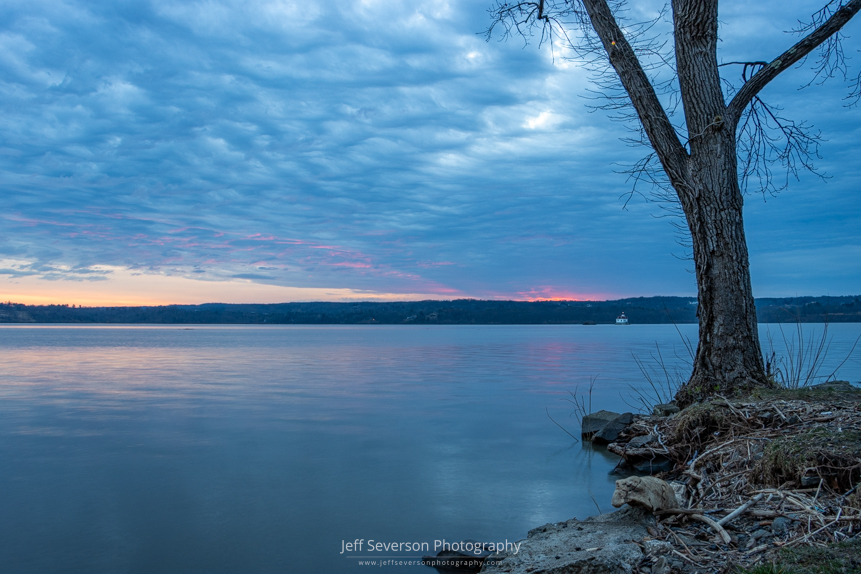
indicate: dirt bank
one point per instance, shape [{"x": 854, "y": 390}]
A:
[{"x": 764, "y": 480}]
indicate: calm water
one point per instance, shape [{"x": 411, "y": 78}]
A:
[{"x": 251, "y": 449}]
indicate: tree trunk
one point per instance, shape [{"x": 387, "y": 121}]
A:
[{"x": 728, "y": 358}]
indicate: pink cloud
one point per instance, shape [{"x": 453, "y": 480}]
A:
[{"x": 551, "y": 293}]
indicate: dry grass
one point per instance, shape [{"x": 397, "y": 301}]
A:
[{"x": 823, "y": 453}]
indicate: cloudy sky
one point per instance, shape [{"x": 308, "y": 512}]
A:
[{"x": 278, "y": 150}]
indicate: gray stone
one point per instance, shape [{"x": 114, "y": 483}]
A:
[
  {"x": 761, "y": 533},
  {"x": 594, "y": 422},
  {"x": 665, "y": 410},
  {"x": 611, "y": 431},
  {"x": 622, "y": 468},
  {"x": 655, "y": 465},
  {"x": 598, "y": 545},
  {"x": 641, "y": 441},
  {"x": 780, "y": 526},
  {"x": 645, "y": 491},
  {"x": 807, "y": 481},
  {"x": 655, "y": 547},
  {"x": 625, "y": 418}
]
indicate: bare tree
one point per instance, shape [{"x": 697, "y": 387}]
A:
[{"x": 723, "y": 144}]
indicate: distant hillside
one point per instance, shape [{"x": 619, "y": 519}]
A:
[{"x": 640, "y": 310}]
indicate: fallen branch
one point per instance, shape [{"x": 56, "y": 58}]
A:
[
  {"x": 741, "y": 509},
  {"x": 715, "y": 526}
]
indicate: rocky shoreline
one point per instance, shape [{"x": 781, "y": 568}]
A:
[{"x": 768, "y": 479}]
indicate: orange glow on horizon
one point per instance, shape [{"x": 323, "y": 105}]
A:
[
  {"x": 119, "y": 287},
  {"x": 549, "y": 293},
  {"x": 104, "y": 286}
]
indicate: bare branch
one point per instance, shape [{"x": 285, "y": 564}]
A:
[
  {"x": 660, "y": 131},
  {"x": 855, "y": 94},
  {"x": 797, "y": 52},
  {"x": 832, "y": 57},
  {"x": 749, "y": 68},
  {"x": 765, "y": 138}
]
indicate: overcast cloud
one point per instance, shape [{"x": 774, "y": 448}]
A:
[{"x": 381, "y": 146}]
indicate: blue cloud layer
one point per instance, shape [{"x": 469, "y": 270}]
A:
[{"x": 369, "y": 145}]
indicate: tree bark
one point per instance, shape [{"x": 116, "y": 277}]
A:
[{"x": 728, "y": 358}]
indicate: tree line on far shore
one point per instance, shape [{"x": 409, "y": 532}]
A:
[{"x": 641, "y": 310}]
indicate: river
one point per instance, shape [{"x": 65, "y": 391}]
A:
[{"x": 183, "y": 449}]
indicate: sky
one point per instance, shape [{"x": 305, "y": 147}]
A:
[{"x": 268, "y": 151}]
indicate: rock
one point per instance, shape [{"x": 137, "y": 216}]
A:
[
  {"x": 594, "y": 422},
  {"x": 598, "y": 545},
  {"x": 661, "y": 566},
  {"x": 655, "y": 465},
  {"x": 808, "y": 481},
  {"x": 645, "y": 491},
  {"x": 681, "y": 491},
  {"x": 757, "y": 534},
  {"x": 665, "y": 410},
  {"x": 655, "y": 547},
  {"x": 622, "y": 468},
  {"x": 460, "y": 560},
  {"x": 641, "y": 441},
  {"x": 625, "y": 418},
  {"x": 611, "y": 431},
  {"x": 780, "y": 526}
]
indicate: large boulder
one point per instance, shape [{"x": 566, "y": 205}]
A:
[
  {"x": 611, "y": 431},
  {"x": 598, "y": 545},
  {"x": 646, "y": 492},
  {"x": 594, "y": 422}
]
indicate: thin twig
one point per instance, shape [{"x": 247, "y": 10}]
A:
[{"x": 560, "y": 426}]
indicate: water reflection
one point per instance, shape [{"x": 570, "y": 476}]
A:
[{"x": 223, "y": 449}]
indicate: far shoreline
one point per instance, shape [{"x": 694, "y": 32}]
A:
[{"x": 638, "y": 311}]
